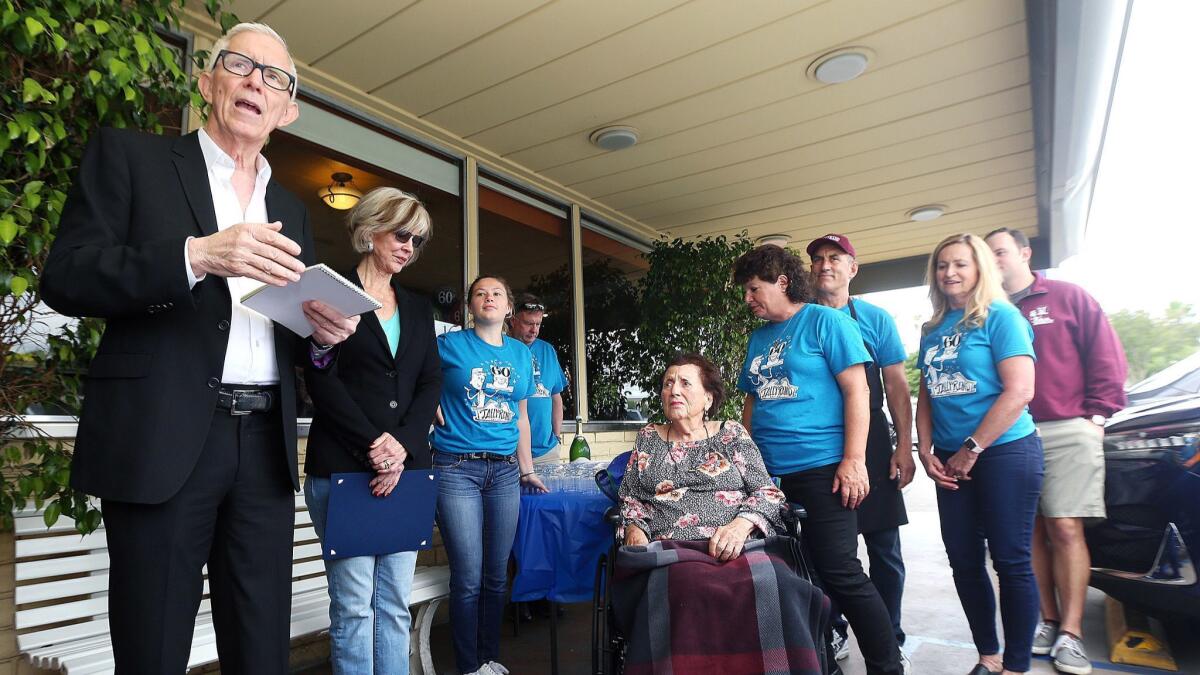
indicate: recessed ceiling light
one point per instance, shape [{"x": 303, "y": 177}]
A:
[
  {"x": 614, "y": 138},
  {"x": 840, "y": 66},
  {"x": 780, "y": 240},
  {"x": 929, "y": 212}
]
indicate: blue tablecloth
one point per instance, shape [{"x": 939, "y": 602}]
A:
[{"x": 560, "y": 538}]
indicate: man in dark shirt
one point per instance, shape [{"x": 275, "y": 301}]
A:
[{"x": 1080, "y": 383}]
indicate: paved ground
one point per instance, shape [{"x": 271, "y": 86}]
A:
[{"x": 938, "y": 638}]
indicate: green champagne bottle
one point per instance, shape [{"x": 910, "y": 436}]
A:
[{"x": 579, "y": 446}]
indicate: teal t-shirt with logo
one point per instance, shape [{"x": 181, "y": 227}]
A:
[
  {"x": 482, "y": 385},
  {"x": 791, "y": 371},
  {"x": 958, "y": 369},
  {"x": 548, "y": 380}
]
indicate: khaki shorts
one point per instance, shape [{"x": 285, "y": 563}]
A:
[
  {"x": 551, "y": 456},
  {"x": 1073, "y": 486}
]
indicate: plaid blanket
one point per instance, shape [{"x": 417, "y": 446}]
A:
[{"x": 684, "y": 612}]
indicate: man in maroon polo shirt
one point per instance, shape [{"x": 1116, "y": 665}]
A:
[{"x": 1080, "y": 383}]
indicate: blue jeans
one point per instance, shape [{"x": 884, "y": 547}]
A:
[
  {"x": 994, "y": 512},
  {"x": 887, "y": 574},
  {"x": 478, "y": 504},
  {"x": 369, "y": 619}
]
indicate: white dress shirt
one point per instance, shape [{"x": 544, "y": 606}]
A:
[{"x": 250, "y": 352}]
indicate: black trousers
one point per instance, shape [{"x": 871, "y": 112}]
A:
[
  {"x": 830, "y": 535},
  {"x": 236, "y": 513}
]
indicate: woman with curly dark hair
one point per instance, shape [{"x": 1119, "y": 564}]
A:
[{"x": 807, "y": 409}]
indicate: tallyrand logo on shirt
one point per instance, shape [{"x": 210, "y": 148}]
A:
[
  {"x": 539, "y": 389},
  {"x": 768, "y": 385},
  {"x": 1040, "y": 316},
  {"x": 485, "y": 393},
  {"x": 942, "y": 376}
]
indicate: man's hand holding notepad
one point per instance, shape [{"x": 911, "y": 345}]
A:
[{"x": 284, "y": 304}]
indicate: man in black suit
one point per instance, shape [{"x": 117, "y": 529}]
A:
[{"x": 188, "y": 432}]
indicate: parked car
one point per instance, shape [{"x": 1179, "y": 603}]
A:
[
  {"x": 1179, "y": 379},
  {"x": 1142, "y": 554}
]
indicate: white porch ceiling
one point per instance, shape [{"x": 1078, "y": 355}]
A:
[{"x": 734, "y": 135}]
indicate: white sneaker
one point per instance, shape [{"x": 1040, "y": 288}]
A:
[
  {"x": 905, "y": 663},
  {"x": 496, "y": 667},
  {"x": 1044, "y": 637},
  {"x": 840, "y": 645},
  {"x": 1069, "y": 657}
]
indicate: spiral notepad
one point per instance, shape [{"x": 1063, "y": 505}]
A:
[{"x": 283, "y": 304}]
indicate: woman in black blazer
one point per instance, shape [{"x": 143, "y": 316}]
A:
[{"x": 374, "y": 406}]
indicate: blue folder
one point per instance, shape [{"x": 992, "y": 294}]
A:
[{"x": 360, "y": 523}]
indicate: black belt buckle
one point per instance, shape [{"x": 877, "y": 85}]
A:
[
  {"x": 235, "y": 397},
  {"x": 245, "y": 401}
]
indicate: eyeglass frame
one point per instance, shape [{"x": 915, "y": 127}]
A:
[
  {"x": 255, "y": 65},
  {"x": 418, "y": 240}
]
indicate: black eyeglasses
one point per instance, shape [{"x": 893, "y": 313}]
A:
[
  {"x": 532, "y": 307},
  {"x": 401, "y": 236},
  {"x": 242, "y": 65}
]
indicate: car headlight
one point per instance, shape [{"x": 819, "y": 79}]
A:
[{"x": 1182, "y": 446}]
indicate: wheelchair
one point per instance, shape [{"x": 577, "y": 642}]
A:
[{"x": 608, "y": 645}]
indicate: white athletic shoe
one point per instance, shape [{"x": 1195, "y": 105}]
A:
[
  {"x": 1069, "y": 656},
  {"x": 841, "y": 646}
]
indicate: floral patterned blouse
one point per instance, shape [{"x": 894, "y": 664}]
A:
[{"x": 686, "y": 490}]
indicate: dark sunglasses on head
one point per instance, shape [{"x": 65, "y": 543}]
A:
[
  {"x": 532, "y": 307},
  {"x": 401, "y": 236}
]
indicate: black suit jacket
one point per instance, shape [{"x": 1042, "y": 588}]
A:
[
  {"x": 151, "y": 390},
  {"x": 369, "y": 391}
]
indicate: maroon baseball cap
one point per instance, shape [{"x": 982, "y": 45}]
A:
[{"x": 839, "y": 240}]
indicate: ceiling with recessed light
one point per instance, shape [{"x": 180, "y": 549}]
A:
[{"x": 734, "y": 131}]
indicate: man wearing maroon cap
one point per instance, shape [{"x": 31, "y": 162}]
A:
[
  {"x": 889, "y": 468},
  {"x": 1080, "y": 378}
]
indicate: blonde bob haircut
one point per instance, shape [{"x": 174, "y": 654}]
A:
[
  {"x": 987, "y": 287},
  {"x": 387, "y": 209}
]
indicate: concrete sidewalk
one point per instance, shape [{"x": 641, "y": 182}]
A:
[{"x": 939, "y": 641}]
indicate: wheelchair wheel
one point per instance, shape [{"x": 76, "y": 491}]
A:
[{"x": 608, "y": 647}]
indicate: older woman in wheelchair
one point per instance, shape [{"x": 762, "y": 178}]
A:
[{"x": 703, "y": 584}]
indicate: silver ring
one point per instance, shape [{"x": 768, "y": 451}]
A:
[{"x": 387, "y": 464}]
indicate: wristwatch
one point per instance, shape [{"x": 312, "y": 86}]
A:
[
  {"x": 970, "y": 444},
  {"x": 1098, "y": 420}
]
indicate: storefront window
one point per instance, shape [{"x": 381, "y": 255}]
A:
[
  {"x": 611, "y": 270},
  {"x": 527, "y": 241},
  {"x": 304, "y": 167}
]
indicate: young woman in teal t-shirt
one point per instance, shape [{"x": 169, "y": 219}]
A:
[{"x": 481, "y": 449}]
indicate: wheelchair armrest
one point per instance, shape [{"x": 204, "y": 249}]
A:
[
  {"x": 613, "y": 516},
  {"x": 793, "y": 514}
]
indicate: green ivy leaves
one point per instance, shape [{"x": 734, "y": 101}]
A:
[{"x": 70, "y": 67}]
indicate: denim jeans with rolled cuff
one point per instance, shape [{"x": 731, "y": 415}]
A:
[{"x": 478, "y": 504}]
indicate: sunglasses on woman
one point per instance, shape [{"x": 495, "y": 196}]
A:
[{"x": 403, "y": 237}]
